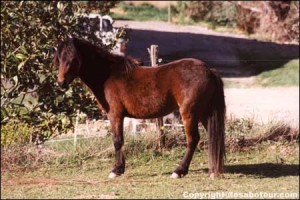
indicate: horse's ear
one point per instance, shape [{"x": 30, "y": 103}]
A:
[
  {"x": 55, "y": 60},
  {"x": 135, "y": 61},
  {"x": 138, "y": 61}
]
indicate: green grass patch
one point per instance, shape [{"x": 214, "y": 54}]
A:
[
  {"x": 143, "y": 12},
  {"x": 257, "y": 170},
  {"x": 287, "y": 75},
  {"x": 260, "y": 158}
]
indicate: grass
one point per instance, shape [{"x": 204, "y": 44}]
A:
[
  {"x": 287, "y": 75},
  {"x": 144, "y": 12},
  {"x": 58, "y": 170},
  {"x": 254, "y": 171}
]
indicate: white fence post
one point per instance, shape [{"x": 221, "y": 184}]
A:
[{"x": 76, "y": 127}]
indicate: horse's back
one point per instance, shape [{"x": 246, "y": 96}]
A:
[
  {"x": 185, "y": 62},
  {"x": 192, "y": 81},
  {"x": 185, "y": 73},
  {"x": 149, "y": 92},
  {"x": 180, "y": 74}
]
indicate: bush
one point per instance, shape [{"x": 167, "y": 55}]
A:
[
  {"x": 247, "y": 21},
  {"x": 15, "y": 133},
  {"x": 219, "y": 13},
  {"x": 278, "y": 20},
  {"x": 30, "y": 32}
]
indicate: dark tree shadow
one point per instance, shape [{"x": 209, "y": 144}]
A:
[
  {"x": 233, "y": 57},
  {"x": 266, "y": 170}
]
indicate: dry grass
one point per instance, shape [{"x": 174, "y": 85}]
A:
[{"x": 241, "y": 135}]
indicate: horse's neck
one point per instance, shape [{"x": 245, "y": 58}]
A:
[
  {"x": 98, "y": 90},
  {"x": 94, "y": 76}
]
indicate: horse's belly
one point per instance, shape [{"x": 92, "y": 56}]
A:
[{"x": 150, "y": 107}]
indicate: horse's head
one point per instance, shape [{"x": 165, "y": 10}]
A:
[{"x": 69, "y": 62}]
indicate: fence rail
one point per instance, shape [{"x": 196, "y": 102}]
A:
[{"x": 75, "y": 137}]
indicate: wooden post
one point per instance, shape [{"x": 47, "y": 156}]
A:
[{"x": 153, "y": 51}]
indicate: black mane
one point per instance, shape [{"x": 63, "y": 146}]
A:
[{"x": 118, "y": 63}]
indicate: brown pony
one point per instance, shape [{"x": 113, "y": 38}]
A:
[{"x": 125, "y": 89}]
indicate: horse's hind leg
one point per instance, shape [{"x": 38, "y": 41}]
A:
[{"x": 190, "y": 122}]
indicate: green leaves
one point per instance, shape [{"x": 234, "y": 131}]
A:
[
  {"x": 30, "y": 31},
  {"x": 20, "y": 56}
]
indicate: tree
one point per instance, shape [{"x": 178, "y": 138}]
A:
[
  {"x": 277, "y": 21},
  {"x": 30, "y": 32}
]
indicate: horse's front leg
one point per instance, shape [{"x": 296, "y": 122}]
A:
[{"x": 118, "y": 141}]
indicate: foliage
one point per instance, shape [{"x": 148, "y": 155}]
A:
[
  {"x": 15, "y": 133},
  {"x": 100, "y": 7},
  {"x": 30, "y": 31},
  {"x": 278, "y": 20},
  {"x": 219, "y": 13},
  {"x": 285, "y": 25}
]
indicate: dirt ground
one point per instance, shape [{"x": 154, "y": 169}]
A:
[{"x": 262, "y": 104}]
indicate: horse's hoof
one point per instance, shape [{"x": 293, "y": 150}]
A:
[
  {"x": 213, "y": 175},
  {"x": 112, "y": 175},
  {"x": 216, "y": 175},
  {"x": 174, "y": 175}
]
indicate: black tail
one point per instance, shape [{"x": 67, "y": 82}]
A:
[{"x": 216, "y": 130}]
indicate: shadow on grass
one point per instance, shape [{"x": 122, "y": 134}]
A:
[
  {"x": 264, "y": 170},
  {"x": 268, "y": 170}
]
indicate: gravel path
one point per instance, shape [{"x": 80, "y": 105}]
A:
[
  {"x": 262, "y": 104},
  {"x": 231, "y": 54},
  {"x": 168, "y": 27}
]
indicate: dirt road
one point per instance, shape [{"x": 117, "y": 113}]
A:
[
  {"x": 231, "y": 54},
  {"x": 262, "y": 104}
]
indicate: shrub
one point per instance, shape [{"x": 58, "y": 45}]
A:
[
  {"x": 30, "y": 31},
  {"x": 219, "y": 13},
  {"x": 15, "y": 133},
  {"x": 278, "y": 20}
]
